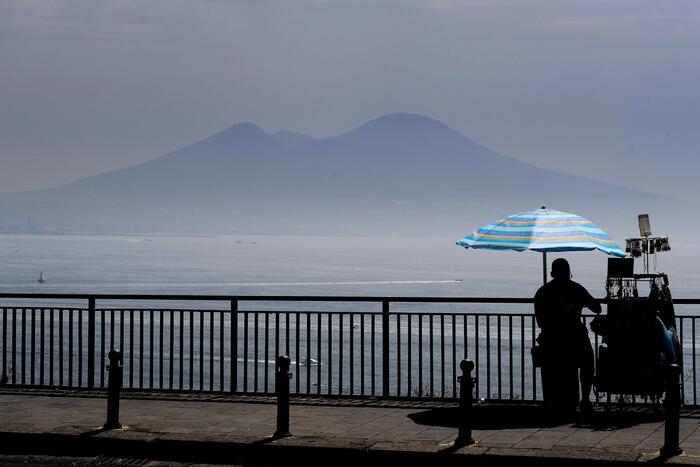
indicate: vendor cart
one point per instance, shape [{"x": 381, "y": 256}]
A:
[{"x": 638, "y": 335}]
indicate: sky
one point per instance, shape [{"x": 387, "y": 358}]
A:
[{"x": 607, "y": 89}]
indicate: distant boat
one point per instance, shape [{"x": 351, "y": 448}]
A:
[
  {"x": 41, "y": 279},
  {"x": 309, "y": 362}
]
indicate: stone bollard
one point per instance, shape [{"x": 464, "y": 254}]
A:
[
  {"x": 115, "y": 372},
  {"x": 282, "y": 377},
  {"x": 672, "y": 404},
  {"x": 466, "y": 398}
]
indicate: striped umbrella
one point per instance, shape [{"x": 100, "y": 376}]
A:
[{"x": 542, "y": 230}]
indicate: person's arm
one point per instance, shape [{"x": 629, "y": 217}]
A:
[
  {"x": 539, "y": 309},
  {"x": 590, "y": 302}
]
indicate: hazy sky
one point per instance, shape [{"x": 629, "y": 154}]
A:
[{"x": 584, "y": 85}]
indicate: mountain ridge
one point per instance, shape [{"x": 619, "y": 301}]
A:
[{"x": 399, "y": 174}]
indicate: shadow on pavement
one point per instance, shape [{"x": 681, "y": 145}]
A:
[{"x": 487, "y": 416}]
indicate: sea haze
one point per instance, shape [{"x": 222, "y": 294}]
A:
[
  {"x": 397, "y": 175},
  {"x": 373, "y": 211},
  {"x": 296, "y": 265}
]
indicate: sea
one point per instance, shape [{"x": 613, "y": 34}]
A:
[
  {"x": 258, "y": 265},
  {"x": 296, "y": 265}
]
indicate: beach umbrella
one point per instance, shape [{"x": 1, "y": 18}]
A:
[{"x": 542, "y": 230}]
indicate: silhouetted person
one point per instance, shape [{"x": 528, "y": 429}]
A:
[{"x": 564, "y": 340}]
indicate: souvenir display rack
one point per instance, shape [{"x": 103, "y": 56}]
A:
[
  {"x": 631, "y": 357},
  {"x": 638, "y": 334}
]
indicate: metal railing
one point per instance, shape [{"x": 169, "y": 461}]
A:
[{"x": 339, "y": 346}]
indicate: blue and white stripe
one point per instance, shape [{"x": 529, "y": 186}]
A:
[{"x": 542, "y": 230}]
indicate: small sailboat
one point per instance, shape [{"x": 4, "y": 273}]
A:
[{"x": 41, "y": 279}]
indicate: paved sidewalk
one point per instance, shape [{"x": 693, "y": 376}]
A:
[{"x": 236, "y": 431}]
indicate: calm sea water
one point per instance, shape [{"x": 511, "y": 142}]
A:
[
  {"x": 269, "y": 265},
  {"x": 266, "y": 265}
]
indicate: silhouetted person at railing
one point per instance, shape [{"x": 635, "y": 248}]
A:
[{"x": 564, "y": 340}]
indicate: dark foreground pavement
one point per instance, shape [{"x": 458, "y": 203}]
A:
[{"x": 238, "y": 431}]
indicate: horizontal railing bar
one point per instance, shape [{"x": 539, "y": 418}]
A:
[
  {"x": 225, "y": 310},
  {"x": 272, "y": 311},
  {"x": 270, "y": 298},
  {"x": 296, "y": 298}
]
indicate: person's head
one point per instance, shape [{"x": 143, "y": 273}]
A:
[{"x": 561, "y": 269}]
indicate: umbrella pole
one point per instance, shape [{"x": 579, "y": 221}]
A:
[{"x": 544, "y": 267}]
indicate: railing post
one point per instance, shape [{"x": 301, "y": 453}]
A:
[
  {"x": 114, "y": 370},
  {"x": 91, "y": 344},
  {"x": 385, "y": 348},
  {"x": 282, "y": 377},
  {"x": 234, "y": 345},
  {"x": 672, "y": 404},
  {"x": 466, "y": 398}
]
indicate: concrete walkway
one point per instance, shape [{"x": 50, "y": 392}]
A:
[{"x": 234, "y": 431}]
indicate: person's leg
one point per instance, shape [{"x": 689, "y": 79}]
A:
[
  {"x": 548, "y": 394},
  {"x": 562, "y": 385}
]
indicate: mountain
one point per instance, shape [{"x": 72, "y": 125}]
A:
[{"x": 397, "y": 174}]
